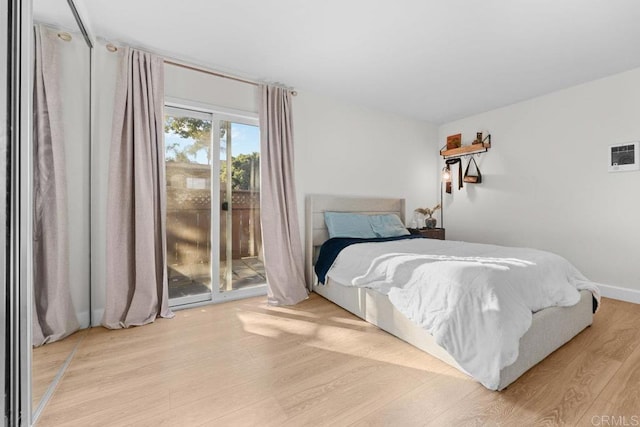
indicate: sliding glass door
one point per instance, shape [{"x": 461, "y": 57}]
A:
[
  {"x": 188, "y": 156},
  {"x": 241, "y": 264},
  {"x": 214, "y": 244}
]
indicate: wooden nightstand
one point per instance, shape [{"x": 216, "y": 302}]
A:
[{"x": 430, "y": 233}]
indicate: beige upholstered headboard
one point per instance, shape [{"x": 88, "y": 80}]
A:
[{"x": 316, "y": 230}]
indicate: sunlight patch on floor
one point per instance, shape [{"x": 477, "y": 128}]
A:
[
  {"x": 289, "y": 310},
  {"x": 273, "y": 326},
  {"x": 346, "y": 336}
]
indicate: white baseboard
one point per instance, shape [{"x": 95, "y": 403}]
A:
[{"x": 622, "y": 294}]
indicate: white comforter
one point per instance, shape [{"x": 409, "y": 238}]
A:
[{"x": 475, "y": 300}]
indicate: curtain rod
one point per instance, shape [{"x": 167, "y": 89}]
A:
[
  {"x": 112, "y": 48},
  {"x": 215, "y": 73},
  {"x": 205, "y": 71}
]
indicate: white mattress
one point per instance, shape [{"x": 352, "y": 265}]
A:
[{"x": 535, "y": 345}]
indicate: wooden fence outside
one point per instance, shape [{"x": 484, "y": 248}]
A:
[{"x": 189, "y": 225}]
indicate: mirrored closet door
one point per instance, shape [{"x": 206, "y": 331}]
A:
[{"x": 61, "y": 192}]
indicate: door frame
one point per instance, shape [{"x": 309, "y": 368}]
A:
[
  {"x": 216, "y": 114},
  {"x": 16, "y": 183}
]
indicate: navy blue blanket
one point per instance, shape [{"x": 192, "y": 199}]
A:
[{"x": 332, "y": 247}]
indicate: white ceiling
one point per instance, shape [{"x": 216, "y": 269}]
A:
[
  {"x": 55, "y": 12},
  {"x": 436, "y": 60}
]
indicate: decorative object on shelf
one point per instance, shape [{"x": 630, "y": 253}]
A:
[
  {"x": 430, "y": 222},
  {"x": 467, "y": 150},
  {"x": 454, "y": 141},
  {"x": 478, "y": 139},
  {"x": 472, "y": 178}
]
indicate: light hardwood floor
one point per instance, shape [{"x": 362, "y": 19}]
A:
[
  {"x": 47, "y": 361},
  {"x": 245, "y": 363}
]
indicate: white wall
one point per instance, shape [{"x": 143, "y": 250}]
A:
[
  {"x": 208, "y": 89},
  {"x": 545, "y": 180},
  {"x": 340, "y": 148},
  {"x": 345, "y": 149}
]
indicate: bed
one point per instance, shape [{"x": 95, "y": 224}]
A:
[{"x": 550, "y": 328}]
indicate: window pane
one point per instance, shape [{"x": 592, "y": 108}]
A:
[
  {"x": 188, "y": 170},
  {"x": 240, "y": 235}
]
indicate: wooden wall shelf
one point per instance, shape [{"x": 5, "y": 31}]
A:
[{"x": 467, "y": 149}]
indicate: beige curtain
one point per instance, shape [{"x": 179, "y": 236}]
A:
[
  {"x": 283, "y": 257},
  {"x": 54, "y": 316},
  {"x": 137, "y": 289}
]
